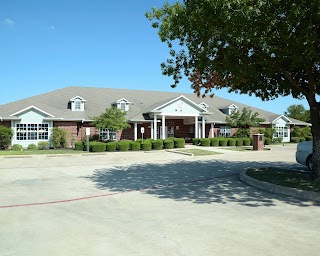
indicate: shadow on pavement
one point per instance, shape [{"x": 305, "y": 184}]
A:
[{"x": 199, "y": 182}]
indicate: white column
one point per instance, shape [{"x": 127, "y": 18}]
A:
[
  {"x": 155, "y": 127},
  {"x": 196, "y": 129},
  {"x": 212, "y": 130},
  {"x": 203, "y": 127},
  {"x": 152, "y": 131},
  {"x": 163, "y": 127},
  {"x": 135, "y": 130}
]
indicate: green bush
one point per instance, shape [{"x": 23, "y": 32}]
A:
[
  {"x": 246, "y": 141},
  {"x": 302, "y": 139},
  {"x": 214, "y": 142},
  {"x": 239, "y": 142},
  {"x": 146, "y": 145},
  {"x": 43, "y": 145},
  {"x": 157, "y": 144},
  {"x": 195, "y": 141},
  {"x": 205, "y": 142},
  {"x": 306, "y": 131},
  {"x": 243, "y": 133},
  {"x": 32, "y": 147},
  {"x": 16, "y": 147},
  {"x": 96, "y": 146},
  {"x": 5, "y": 137},
  {"x": 58, "y": 137},
  {"x": 135, "y": 145},
  {"x": 179, "y": 143},
  {"x": 79, "y": 146},
  {"x": 168, "y": 144},
  {"x": 308, "y": 138},
  {"x": 296, "y": 131},
  {"x": 111, "y": 146},
  {"x": 223, "y": 142},
  {"x": 123, "y": 145},
  {"x": 231, "y": 142},
  {"x": 267, "y": 141}
]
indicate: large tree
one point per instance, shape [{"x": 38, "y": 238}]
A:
[
  {"x": 298, "y": 112},
  {"x": 267, "y": 48}
]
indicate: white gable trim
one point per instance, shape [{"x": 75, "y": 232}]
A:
[
  {"x": 233, "y": 106},
  {"x": 122, "y": 100},
  {"x": 77, "y": 98},
  {"x": 175, "y": 99},
  {"x": 32, "y": 107},
  {"x": 281, "y": 116}
]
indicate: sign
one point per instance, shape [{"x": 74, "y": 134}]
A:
[
  {"x": 142, "y": 130},
  {"x": 87, "y": 131}
]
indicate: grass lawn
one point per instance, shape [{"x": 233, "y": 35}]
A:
[
  {"x": 39, "y": 152},
  {"x": 199, "y": 152},
  {"x": 287, "y": 178}
]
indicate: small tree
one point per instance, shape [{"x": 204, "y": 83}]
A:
[
  {"x": 5, "y": 137},
  {"x": 58, "y": 137},
  {"x": 298, "y": 112},
  {"x": 113, "y": 119},
  {"x": 244, "y": 119}
]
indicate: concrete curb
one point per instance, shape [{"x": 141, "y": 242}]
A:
[
  {"x": 179, "y": 152},
  {"x": 273, "y": 188}
]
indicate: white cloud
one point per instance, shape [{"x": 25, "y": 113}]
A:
[{"x": 9, "y": 22}]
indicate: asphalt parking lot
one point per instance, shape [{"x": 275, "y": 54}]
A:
[{"x": 157, "y": 203}]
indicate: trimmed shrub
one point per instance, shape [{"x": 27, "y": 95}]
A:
[
  {"x": 135, "y": 145},
  {"x": 96, "y": 146},
  {"x": 246, "y": 142},
  {"x": 157, "y": 144},
  {"x": 168, "y": 144},
  {"x": 231, "y": 142},
  {"x": 79, "y": 146},
  {"x": 16, "y": 147},
  {"x": 277, "y": 140},
  {"x": 179, "y": 143},
  {"x": 123, "y": 145},
  {"x": 195, "y": 141},
  {"x": 239, "y": 142},
  {"x": 214, "y": 142},
  {"x": 111, "y": 146},
  {"x": 5, "y": 136},
  {"x": 267, "y": 141},
  {"x": 32, "y": 147},
  {"x": 58, "y": 137},
  {"x": 223, "y": 142},
  {"x": 43, "y": 145},
  {"x": 146, "y": 145},
  {"x": 205, "y": 142}
]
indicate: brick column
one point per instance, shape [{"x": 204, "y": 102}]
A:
[{"x": 258, "y": 141}]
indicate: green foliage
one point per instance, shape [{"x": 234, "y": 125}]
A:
[
  {"x": 135, "y": 145},
  {"x": 79, "y": 146},
  {"x": 195, "y": 141},
  {"x": 231, "y": 142},
  {"x": 111, "y": 146},
  {"x": 123, "y": 145},
  {"x": 146, "y": 145},
  {"x": 168, "y": 144},
  {"x": 308, "y": 138},
  {"x": 244, "y": 120},
  {"x": 267, "y": 132},
  {"x": 267, "y": 141},
  {"x": 295, "y": 139},
  {"x": 113, "y": 119},
  {"x": 214, "y": 142},
  {"x": 179, "y": 143},
  {"x": 32, "y": 147},
  {"x": 16, "y": 147},
  {"x": 97, "y": 146},
  {"x": 223, "y": 142},
  {"x": 243, "y": 133},
  {"x": 157, "y": 144},
  {"x": 5, "y": 137},
  {"x": 246, "y": 141},
  {"x": 205, "y": 142},
  {"x": 296, "y": 131},
  {"x": 298, "y": 112},
  {"x": 43, "y": 145},
  {"x": 306, "y": 131},
  {"x": 239, "y": 142},
  {"x": 58, "y": 137}
]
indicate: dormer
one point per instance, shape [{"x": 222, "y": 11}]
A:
[
  {"x": 122, "y": 104},
  {"x": 229, "y": 109},
  {"x": 204, "y": 105},
  {"x": 77, "y": 103}
]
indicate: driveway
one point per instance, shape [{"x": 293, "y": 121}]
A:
[{"x": 156, "y": 203}]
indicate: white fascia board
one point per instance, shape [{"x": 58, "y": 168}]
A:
[
  {"x": 275, "y": 120},
  {"x": 77, "y": 98},
  {"x": 32, "y": 107},
  {"x": 187, "y": 115},
  {"x": 122, "y": 100},
  {"x": 175, "y": 99},
  {"x": 233, "y": 106}
]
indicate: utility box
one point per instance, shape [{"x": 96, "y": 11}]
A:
[{"x": 258, "y": 141}]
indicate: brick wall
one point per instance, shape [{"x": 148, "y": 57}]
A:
[{"x": 5, "y": 123}]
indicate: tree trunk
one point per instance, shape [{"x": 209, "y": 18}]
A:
[{"x": 315, "y": 129}]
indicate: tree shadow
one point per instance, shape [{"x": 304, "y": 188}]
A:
[{"x": 215, "y": 181}]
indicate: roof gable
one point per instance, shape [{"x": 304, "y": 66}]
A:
[{"x": 29, "y": 109}]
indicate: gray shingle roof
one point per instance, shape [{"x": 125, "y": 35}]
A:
[{"x": 98, "y": 99}]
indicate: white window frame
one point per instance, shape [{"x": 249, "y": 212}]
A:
[
  {"x": 32, "y": 132},
  {"x": 225, "y": 131},
  {"x": 281, "y": 132},
  {"x": 77, "y": 105},
  {"x": 107, "y": 135}
]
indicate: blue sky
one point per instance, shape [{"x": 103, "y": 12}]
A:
[{"x": 51, "y": 44}]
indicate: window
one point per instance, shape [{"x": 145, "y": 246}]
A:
[
  {"x": 225, "y": 131},
  {"x": 77, "y": 105},
  {"x": 32, "y": 131},
  {"x": 123, "y": 106},
  {"x": 106, "y": 134},
  {"x": 281, "y": 132}
]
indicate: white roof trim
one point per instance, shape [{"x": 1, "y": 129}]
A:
[
  {"x": 122, "y": 100},
  {"x": 233, "y": 106},
  {"x": 31, "y": 107},
  {"x": 275, "y": 120},
  {"x": 175, "y": 99},
  {"x": 77, "y": 98}
]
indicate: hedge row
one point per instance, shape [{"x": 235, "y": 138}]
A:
[
  {"x": 126, "y": 145},
  {"x": 223, "y": 142}
]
